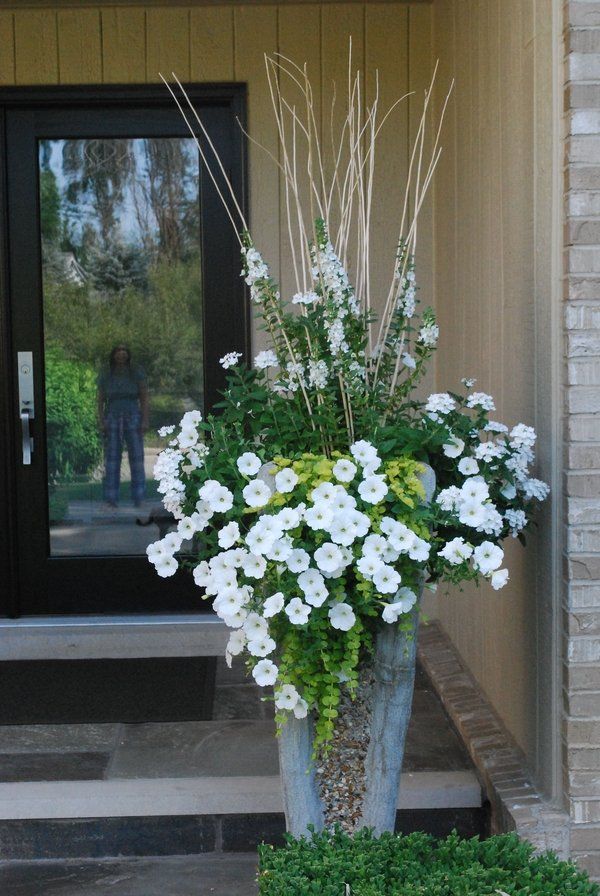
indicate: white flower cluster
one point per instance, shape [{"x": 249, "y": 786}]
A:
[
  {"x": 304, "y": 545},
  {"x": 256, "y": 270},
  {"x": 329, "y": 272},
  {"x": 472, "y": 505},
  {"x": 230, "y": 360},
  {"x": 486, "y": 559}
]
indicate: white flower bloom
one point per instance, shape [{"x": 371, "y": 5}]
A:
[
  {"x": 237, "y": 619},
  {"x": 373, "y": 489},
  {"x": 265, "y": 359},
  {"x": 286, "y": 480},
  {"x": 361, "y": 522},
  {"x": 522, "y": 437},
  {"x": 298, "y": 560},
  {"x": 456, "y": 551},
  {"x": 165, "y": 431},
  {"x": 286, "y": 697},
  {"x": 449, "y": 498},
  {"x": 319, "y": 517},
  {"x": 318, "y": 374},
  {"x": 481, "y": 400},
  {"x": 248, "y": 463},
  {"x": 288, "y": 518},
  {"x": 235, "y": 645},
  {"x": 265, "y": 673},
  {"x": 363, "y": 452},
  {"x": 202, "y": 574},
  {"x": 166, "y": 566},
  {"x": 318, "y": 596},
  {"x": 230, "y": 359},
  {"x": 342, "y": 617},
  {"x": 186, "y": 528},
  {"x": 343, "y": 502},
  {"x": 261, "y": 646},
  {"x": 256, "y": 493},
  {"x": 374, "y": 546},
  {"x": 453, "y": 447},
  {"x": 301, "y": 708},
  {"x": 310, "y": 581},
  {"x": 254, "y": 567},
  {"x": 369, "y": 566},
  {"x": 228, "y": 535},
  {"x": 280, "y": 550},
  {"x": 256, "y": 626},
  {"x": 489, "y": 451},
  {"x": 493, "y": 522},
  {"x": 323, "y": 493},
  {"x": 468, "y": 466},
  {"x": 342, "y": 530},
  {"x": 402, "y": 539},
  {"x": 508, "y": 491},
  {"x": 328, "y": 557},
  {"x": 408, "y": 360},
  {"x": 156, "y": 550},
  {"x": 187, "y": 438},
  {"x": 516, "y": 519},
  {"x": 297, "y": 611},
  {"x": 344, "y": 470},
  {"x": 228, "y": 603},
  {"x": 305, "y": 298},
  {"x": 387, "y": 580},
  {"x": 407, "y": 600},
  {"x": 494, "y": 426},
  {"x": 419, "y": 551},
  {"x": 475, "y": 489},
  {"x": 535, "y": 488},
  {"x": 471, "y": 513},
  {"x": 487, "y": 557},
  {"x": 439, "y": 403},
  {"x": 273, "y": 605},
  {"x": 499, "y": 578},
  {"x": 429, "y": 335}
]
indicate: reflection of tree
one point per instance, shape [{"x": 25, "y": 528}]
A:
[{"x": 120, "y": 233}]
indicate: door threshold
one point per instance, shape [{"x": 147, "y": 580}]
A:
[{"x": 112, "y": 637}]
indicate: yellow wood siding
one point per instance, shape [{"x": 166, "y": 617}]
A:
[{"x": 493, "y": 262}]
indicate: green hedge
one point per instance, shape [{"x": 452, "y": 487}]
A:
[{"x": 415, "y": 865}]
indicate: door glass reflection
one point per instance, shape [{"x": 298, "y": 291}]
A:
[{"x": 122, "y": 330}]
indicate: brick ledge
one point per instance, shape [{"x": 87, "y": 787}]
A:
[{"x": 516, "y": 803}]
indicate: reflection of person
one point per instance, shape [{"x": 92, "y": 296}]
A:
[{"x": 123, "y": 415}]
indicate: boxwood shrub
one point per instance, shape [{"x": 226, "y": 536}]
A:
[{"x": 336, "y": 864}]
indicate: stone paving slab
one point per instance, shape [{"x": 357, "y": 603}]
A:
[{"x": 217, "y": 875}]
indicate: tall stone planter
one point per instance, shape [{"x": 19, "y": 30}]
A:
[{"x": 393, "y": 668}]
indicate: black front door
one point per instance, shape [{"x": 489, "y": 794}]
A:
[{"x": 122, "y": 291}]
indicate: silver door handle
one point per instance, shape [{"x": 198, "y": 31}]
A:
[
  {"x": 27, "y": 438},
  {"x": 26, "y": 402}
]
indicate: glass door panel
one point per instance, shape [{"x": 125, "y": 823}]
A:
[{"x": 123, "y": 341}]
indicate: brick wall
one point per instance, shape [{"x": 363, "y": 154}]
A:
[{"x": 581, "y": 712}]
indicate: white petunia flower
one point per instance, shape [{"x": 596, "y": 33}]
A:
[
  {"x": 487, "y": 557},
  {"x": 471, "y": 513},
  {"x": 374, "y": 546},
  {"x": 256, "y": 493},
  {"x": 280, "y": 550},
  {"x": 265, "y": 673},
  {"x": 166, "y": 566},
  {"x": 369, "y": 566},
  {"x": 186, "y": 528},
  {"x": 342, "y": 617},
  {"x": 344, "y": 470},
  {"x": 301, "y": 708},
  {"x": 261, "y": 646},
  {"x": 298, "y": 560},
  {"x": 419, "y": 550},
  {"x": 248, "y": 463},
  {"x": 202, "y": 574},
  {"x": 286, "y": 480},
  {"x": 228, "y": 535},
  {"x": 256, "y": 626},
  {"x": 323, "y": 493},
  {"x": 373, "y": 489},
  {"x": 363, "y": 452},
  {"x": 453, "y": 447},
  {"x": 508, "y": 491},
  {"x": 288, "y": 518},
  {"x": 319, "y": 517},
  {"x": 311, "y": 580},
  {"x": 328, "y": 557},
  {"x": 387, "y": 579},
  {"x": 235, "y": 645},
  {"x": 286, "y": 697},
  {"x": 342, "y": 530},
  {"x": 475, "y": 489},
  {"x": 456, "y": 551},
  {"x": 405, "y": 603},
  {"x": 499, "y": 578},
  {"x": 273, "y": 605},
  {"x": 297, "y": 611},
  {"x": 468, "y": 466},
  {"x": 237, "y": 619}
]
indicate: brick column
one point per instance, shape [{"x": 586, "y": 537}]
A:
[{"x": 581, "y": 714}]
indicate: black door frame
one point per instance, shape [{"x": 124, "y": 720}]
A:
[{"x": 227, "y": 334}]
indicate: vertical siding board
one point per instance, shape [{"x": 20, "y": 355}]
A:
[
  {"x": 386, "y": 51},
  {"x": 295, "y": 22},
  {"x": 123, "y": 46},
  {"x": 256, "y": 34},
  {"x": 7, "y": 49},
  {"x": 79, "y": 46},
  {"x": 211, "y": 43},
  {"x": 36, "y": 51},
  {"x": 167, "y": 43},
  {"x": 420, "y": 73}
]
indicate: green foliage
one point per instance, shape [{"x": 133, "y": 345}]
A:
[
  {"x": 74, "y": 444},
  {"x": 336, "y": 864}
]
